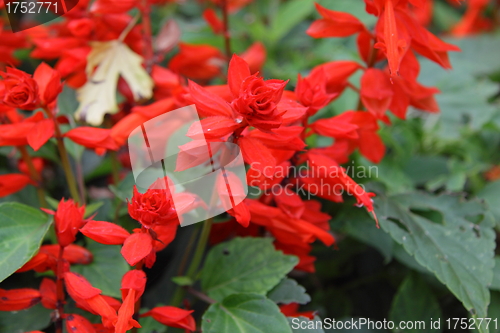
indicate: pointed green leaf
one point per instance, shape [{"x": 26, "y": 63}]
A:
[
  {"x": 244, "y": 265},
  {"x": 451, "y": 237},
  {"x": 22, "y": 229},
  {"x": 289, "y": 291},
  {"x": 245, "y": 313}
]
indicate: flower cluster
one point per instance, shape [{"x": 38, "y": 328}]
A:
[{"x": 99, "y": 49}]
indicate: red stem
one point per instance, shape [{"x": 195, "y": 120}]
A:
[{"x": 61, "y": 296}]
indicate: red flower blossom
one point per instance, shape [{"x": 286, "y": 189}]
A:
[
  {"x": 68, "y": 219},
  {"x": 12, "y": 183},
  {"x": 18, "y": 90}
]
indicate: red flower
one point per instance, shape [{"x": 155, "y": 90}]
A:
[
  {"x": 137, "y": 247},
  {"x": 152, "y": 207},
  {"x": 173, "y": 317},
  {"x": 255, "y": 99},
  {"x": 94, "y": 138},
  {"x": 19, "y": 90},
  {"x": 68, "y": 219},
  {"x": 18, "y": 299},
  {"x": 201, "y": 62},
  {"x": 12, "y": 183}
]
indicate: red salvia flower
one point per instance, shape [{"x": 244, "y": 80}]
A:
[
  {"x": 173, "y": 317},
  {"x": 68, "y": 219},
  {"x": 12, "y": 183},
  {"x": 105, "y": 232},
  {"x": 78, "y": 324},
  {"x": 19, "y": 90},
  {"x": 18, "y": 299}
]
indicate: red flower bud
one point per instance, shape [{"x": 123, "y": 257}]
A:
[
  {"x": 18, "y": 299},
  {"x": 173, "y": 317},
  {"x": 68, "y": 219}
]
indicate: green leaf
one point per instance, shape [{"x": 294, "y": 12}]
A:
[
  {"x": 451, "y": 237},
  {"x": 415, "y": 302},
  {"x": 495, "y": 284},
  {"x": 149, "y": 325},
  {"x": 289, "y": 291},
  {"x": 22, "y": 229},
  {"x": 244, "y": 265},
  {"x": 305, "y": 325},
  {"x": 245, "y": 313},
  {"x": 92, "y": 208},
  {"x": 182, "y": 281},
  {"x": 33, "y": 319},
  {"x": 490, "y": 194},
  {"x": 124, "y": 188},
  {"x": 289, "y": 15},
  {"x": 107, "y": 269}
]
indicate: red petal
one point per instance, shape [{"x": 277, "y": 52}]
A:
[
  {"x": 105, "y": 232},
  {"x": 257, "y": 155},
  {"x": 18, "y": 299},
  {"x": 172, "y": 316},
  {"x": 137, "y": 247},
  {"x": 136, "y": 280},
  {"x": 48, "y": 293},
  {"x": 125, "y": 320},
  {"x": 12, "y": 183},
  {"x": 40, "y": 133},
  {"x": 237, "y": 72},
  {"x": 79, "y": 287},
  {"x": 207, "y": 103},
  {"x": 78, "y": 324},
  {"x": 334, "y": 24},
  {"x": 212, "y": 128}
]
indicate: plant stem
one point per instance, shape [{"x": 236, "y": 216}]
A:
[
  {"x": 200, "y": 295},
  {"x": 34, "y": 175},
  {"x": 61, "y": 297},
  {"x": 70, "y": 177},
  {"x": 147, "y": 35},
  {"x": 200, "y": 249},
  {"x": 195, "y": 262},
  {"x": 227, "y": 36}
]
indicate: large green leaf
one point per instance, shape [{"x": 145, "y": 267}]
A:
[
  {"x": 495, "y": 284},
  {"x": 245, "y": 313},
  {"x": 244, "y": 265},
  {"x": 289, "y": 291},
  {"x": 22, "y": 229},
  {"x": 490, "y": 194},
  {"x": 451, "y": 237},
  {"x": 106, "y": 270},
  {"x": 415, "y": 303},
  {"x": 32, "y": 319}
]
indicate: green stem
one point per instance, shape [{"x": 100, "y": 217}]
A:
[
  {"x": 34, "y": 175},
  {"x": 195, "y": 262},
  {"x": 70, "y": 177}
]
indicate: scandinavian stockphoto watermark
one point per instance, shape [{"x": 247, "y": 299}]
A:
[{"x": 173, "y": 146}]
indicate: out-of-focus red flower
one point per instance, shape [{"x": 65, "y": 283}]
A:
[
  {"x": 376, "y": 91},
  {"x": 93, "y": 138},
  {"x": 18, "y": 299},
  {"x": 292, "y": 310},
  {"x": 213, "y": 21},
  {"x": 473, "y": 20},
  {"x": 12, "y": 183},
  {"x": 68, "y": 220},
  {"x": 199, "y": 62},
  {"x": 105, "y": 232},
  {"x": 173, "y": 317},
  {"x": 18, "y": 90},
  {"x": 255, "y": 57},
  {"x": 49, "y": 83},
  {"x": 334, "y": 24},
  {"x": 38, "y": 164}
]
